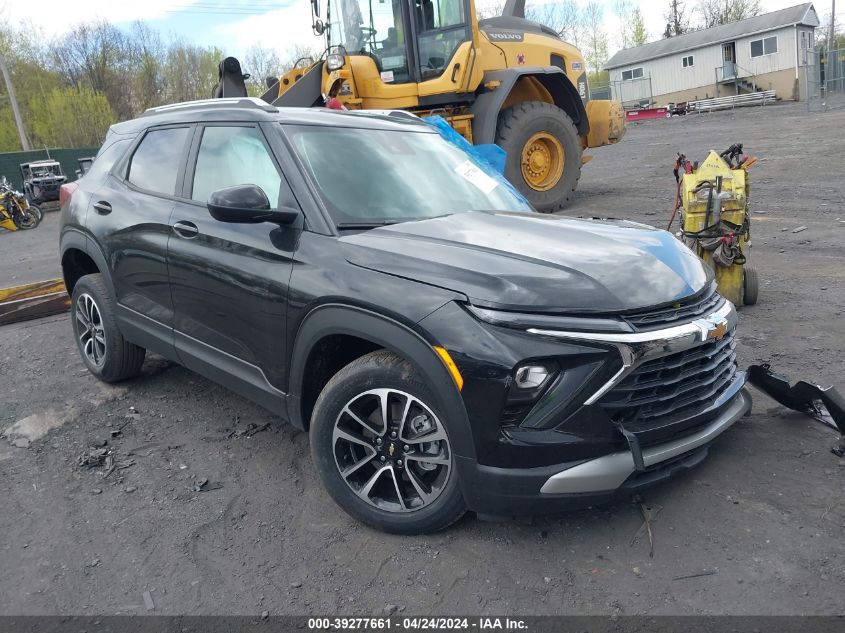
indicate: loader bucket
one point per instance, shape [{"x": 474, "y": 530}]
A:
[{"x": 306, "y": 92}]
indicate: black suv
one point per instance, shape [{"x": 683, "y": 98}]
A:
[{"x": 446, "y": 347}]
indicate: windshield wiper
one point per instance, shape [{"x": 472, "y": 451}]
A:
[{"x": 364, "y": 225}]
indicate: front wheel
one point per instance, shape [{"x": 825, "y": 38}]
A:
[
  {"x": 27, "y": 218},
  {"x": 382, "y": 448},
  {"x": 543, "y": 153}
]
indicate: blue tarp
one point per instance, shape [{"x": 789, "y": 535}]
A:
[{"x": 490, "y": 158}]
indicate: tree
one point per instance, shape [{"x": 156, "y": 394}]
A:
[
  {"x": 716, "y": 12},
  {"x": 677, "y": 20},
  {"x": 299, "y": 55},
  {"x": 489, "y": 9},
  {"x": 595, "y": 38},
  {"x": 639, "y": 33},
  {"x": 148, "y": 56},
  {"x": 624, "y": 10},
  {"x": 70, "y": 117},
  {"x": 260, "y": 63},
  {"x": 565, "y": 17}
]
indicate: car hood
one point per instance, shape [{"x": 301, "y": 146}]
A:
[{"x": 535, "y": 263}]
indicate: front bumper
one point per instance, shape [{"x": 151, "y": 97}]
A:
[{"x": 518, "y": 491}]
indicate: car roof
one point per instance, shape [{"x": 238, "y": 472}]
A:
[{"x": 250, "y": 109}]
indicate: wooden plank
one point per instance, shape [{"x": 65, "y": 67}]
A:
[{"x": 33, "y": 301}]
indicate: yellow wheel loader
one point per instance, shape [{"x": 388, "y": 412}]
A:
[{"x": 503, "y": 80}]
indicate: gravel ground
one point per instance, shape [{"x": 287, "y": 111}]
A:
[{"x": 762, "y": 517}]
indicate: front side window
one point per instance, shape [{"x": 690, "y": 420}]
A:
[
  {"x": 765, "y": 46},
  {"x": 442, "y": 26},
  {"x": 375, "y": 29},
  {"x": 367, "y": 176},
  {"x": 155, "y": 164},
  {"x": 230, "y": 156}
]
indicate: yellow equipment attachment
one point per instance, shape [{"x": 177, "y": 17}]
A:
[
  {"x": 503, "y": 80},
  {"x": 716, "y": 224}
]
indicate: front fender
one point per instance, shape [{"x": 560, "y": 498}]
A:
[
  {"x": 488, "y": 105},
  {"x": 334, "y": 319}
]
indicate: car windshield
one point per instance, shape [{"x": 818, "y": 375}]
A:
[{"x": 368, "y": 176}]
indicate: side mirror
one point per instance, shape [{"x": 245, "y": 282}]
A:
[{"x": 247, "y": 204}]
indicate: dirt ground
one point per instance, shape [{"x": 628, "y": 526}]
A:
[{"x": 762, "y": 518}]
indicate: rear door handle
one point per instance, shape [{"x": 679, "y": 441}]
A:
[
  {"x": 188, "y": 230},
  {"x": 102, "y": 207}
]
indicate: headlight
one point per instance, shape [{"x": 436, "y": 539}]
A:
[{"x": 335, "y": 58}]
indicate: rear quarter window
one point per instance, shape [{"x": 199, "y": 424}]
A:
[{"x": 106, "y": 158}]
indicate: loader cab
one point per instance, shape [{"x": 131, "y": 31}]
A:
[{"x": 410, "y": 41}]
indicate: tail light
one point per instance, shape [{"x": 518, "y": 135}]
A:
[{"x": 66, "y": 191}]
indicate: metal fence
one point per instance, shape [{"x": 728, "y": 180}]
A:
[
  {"x": 633, "y": 92},
  {"x": 601, "y": 91},
  {"x": 824, "y": 76}
]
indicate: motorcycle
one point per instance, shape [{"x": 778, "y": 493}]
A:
[{"x": 16, "y": 212}]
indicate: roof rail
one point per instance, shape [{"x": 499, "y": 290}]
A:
[
  {"x": 401, "y": 115},
  {"x": 237, "y": 102}
]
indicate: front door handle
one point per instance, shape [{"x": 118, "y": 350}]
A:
[
  {"x": 188, "y": 230},
  {"x": 102, "y": 207}
]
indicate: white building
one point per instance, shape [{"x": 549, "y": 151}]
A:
[{"x": 766, "y": 52}]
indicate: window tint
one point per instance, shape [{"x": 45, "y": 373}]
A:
[
  {"x": 107, "y": 157},
  {"x": 232, "y": 156},
  {"x": 155, "y": 164}
]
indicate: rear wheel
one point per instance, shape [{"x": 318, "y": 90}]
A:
[
  {"x": 104, "y": 351},
  {"x": 544, "y": 153},
  {"x": 382, "y": 449}
]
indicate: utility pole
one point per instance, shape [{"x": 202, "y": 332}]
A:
[
  {"x": 10, "y": 89},
  {"x": 832, "y": 35}
]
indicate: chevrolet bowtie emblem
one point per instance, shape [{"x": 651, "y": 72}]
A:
[
  {"x": 712, "y": 328},
  {"x": 718, "y": 331}
]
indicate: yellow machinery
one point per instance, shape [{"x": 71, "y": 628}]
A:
[
  {"x": 7, "y": 223},
  {"x": 715, "y": 221},
  {"x": 503, "y": 80}
]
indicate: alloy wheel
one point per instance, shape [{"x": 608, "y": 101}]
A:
[
  {"x": 392, "y": 450},
  {"x": 90, "y": 330}
]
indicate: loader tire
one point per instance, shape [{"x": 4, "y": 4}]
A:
[{"x": 544, "y": 153}]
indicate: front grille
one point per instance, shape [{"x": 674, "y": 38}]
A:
[
  {"x": 682, "y": 311},
  {"x": 657, "y": 400}
]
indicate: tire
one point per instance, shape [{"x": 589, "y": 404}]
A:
[
  {"x": 520, "y": 124},
  {"x": 104, "y": 351},
  {"x": 28, "y": 219},
  {"x": 750, "y": 286},
  {"x": 379, "y": 466}
]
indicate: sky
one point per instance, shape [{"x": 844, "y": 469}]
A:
[{"x": 235, "y": 25}]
